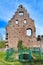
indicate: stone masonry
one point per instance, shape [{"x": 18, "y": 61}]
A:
[{"x": 18, "y": 29}]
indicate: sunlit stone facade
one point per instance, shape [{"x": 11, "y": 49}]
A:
[{"x": 21, "y": 27}]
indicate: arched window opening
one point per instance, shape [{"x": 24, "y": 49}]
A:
[
  {"x": 21, "y": 13},
  {"x": 25, "y": 21},
  {"x": 28, "y": 32},
  {"x": 16, "y": 22}
]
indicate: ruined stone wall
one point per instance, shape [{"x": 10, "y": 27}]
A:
[{"x": 17, "y": 29}]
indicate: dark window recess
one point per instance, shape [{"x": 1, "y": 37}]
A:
[
  {"x": 6, "y": 33},
  {"x": 6, "y": 38},
  {"x": 7, "y": 45},
  {"x": 6, "y": 42}
]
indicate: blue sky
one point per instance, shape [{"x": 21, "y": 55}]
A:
[{"x": 34, "y": 8}]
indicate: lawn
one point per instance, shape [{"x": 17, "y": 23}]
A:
[{"x": 4, "y": 62}]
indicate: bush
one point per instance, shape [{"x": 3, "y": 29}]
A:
[
  {"x": 19, "y": 44},
  {"x": 2, "y": 44}
]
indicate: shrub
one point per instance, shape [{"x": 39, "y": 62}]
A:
[
  {"x": 20, "y": 45},
  {"x": 2, "y": 44}
]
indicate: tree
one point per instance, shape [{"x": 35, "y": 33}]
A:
[
  {"x": 19, "y": 44},
  {"x": 2, "y": 42},
  {"x": 1, "y": 37}
]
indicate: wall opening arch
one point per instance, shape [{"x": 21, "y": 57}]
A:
[{"x": 28, "y": 31}]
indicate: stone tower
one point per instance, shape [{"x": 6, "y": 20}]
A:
[{"x": 21, "y": 27}]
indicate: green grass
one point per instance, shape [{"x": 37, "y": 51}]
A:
[
  {"x": 4, "y": 62},
  {"x": 2, "y": 55},
  {"x": 37, "y": 56}
]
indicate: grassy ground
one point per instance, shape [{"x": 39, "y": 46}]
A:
[{"x": 4, "y": 62}]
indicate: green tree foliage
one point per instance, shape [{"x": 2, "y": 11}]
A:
[
  {"x": 2, "y": 44},
  {"x": 1, "y": 37},
  {"x": 20, "y": 45}
]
